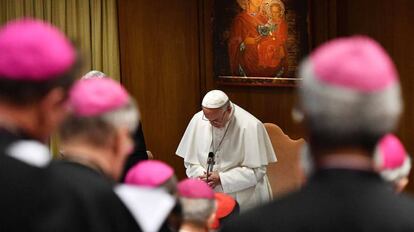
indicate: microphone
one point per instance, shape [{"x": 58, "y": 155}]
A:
[{"x": 210, "y": 163}]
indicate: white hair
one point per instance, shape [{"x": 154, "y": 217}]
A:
[
  {"x": 94, "y": 74},
  {"x": 306, "y": 160},
  {"x": 197, "y": 210},
  {"x": 98, "y": 129},
  {"x": 126, "y": 116},
  {"x": 346, "y": 112},
  {"x": 394, "y": 174}
]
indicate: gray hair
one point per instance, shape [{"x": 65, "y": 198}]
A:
[
  {"x": 392, "y": 174},
  {"x": 170, "y": 185},
  {"x": 306, "y": 160},
  {"x": 345, "y": 115},
  {"x": 126, "y": 116},
  {"x": 226, "y": 105},
  {"x": 94, "y": 74},
  {"x": 197, "y": 210},
  {"x": 97, "y": 130}
]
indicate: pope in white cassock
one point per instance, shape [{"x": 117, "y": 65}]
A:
[{"x": 239, "y": 144}]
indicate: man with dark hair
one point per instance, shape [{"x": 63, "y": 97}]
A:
[
  {"x": 350, "y": 97},
  {"x": 37, "y": 67}
]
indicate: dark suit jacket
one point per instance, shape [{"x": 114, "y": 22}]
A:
[{"x": 334, "y": 200}]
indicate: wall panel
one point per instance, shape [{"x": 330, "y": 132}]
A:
[
  {"x": 159, "y": 45},
  {"x": 391, "y": 24}
]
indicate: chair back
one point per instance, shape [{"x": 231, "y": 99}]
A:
[{"x": 285, "y": 175}]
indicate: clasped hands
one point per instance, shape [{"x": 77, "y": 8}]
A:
[{"x": 213, "y": 179}]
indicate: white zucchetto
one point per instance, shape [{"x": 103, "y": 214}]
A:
[{"x": 214, "y": 99}]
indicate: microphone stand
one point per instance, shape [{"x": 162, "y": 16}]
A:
[{"x": 210, "y": 164}]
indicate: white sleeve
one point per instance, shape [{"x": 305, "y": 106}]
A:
[
  {"x": 193, "y": 170},
  {"x": 239, "y": 178}
]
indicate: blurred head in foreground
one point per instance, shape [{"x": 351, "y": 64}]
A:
[
  {"x": 350, "y": 96},
  {"x": 392, "y": 161},
  {"x": 198, "y": 203},
  {"x": 38, "y": 65},
  {"x": 98, "y": 130},
  {"x": 153, "y": 174}
]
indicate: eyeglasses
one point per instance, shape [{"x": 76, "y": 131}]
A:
[{"x": 217, "y": 120}]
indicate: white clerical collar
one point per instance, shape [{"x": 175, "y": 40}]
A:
[
  {"x": 149, "y": 207},
  {"x": 30, "y": 152}
]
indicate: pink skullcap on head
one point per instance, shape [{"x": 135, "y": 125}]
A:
[
  {"x": 33, "y": 50},
  {"x": 392, "y": 152},
  {"x": 357, "y": 62},
  {"x": 150, "y": 173},
  {"x": 92, "y": 97},
  {"x": 196, "y": 189}
]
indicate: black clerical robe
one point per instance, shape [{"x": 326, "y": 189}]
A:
[
  {"x": 101, "y": 209},
  {"x": 30, "y": 199},
  {"x": 334, "y": 200},
  {"x": 139, "y": 153}
]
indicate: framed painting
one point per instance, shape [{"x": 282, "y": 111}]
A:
[{"x": 259, "y": 42}]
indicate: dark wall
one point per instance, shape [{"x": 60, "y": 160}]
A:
[
  {"x": 166, "y": 61},
  {"x": 159, "y": 45},
  {"x": 167, "y": 65},
  {"x": 390, "y": 23}
]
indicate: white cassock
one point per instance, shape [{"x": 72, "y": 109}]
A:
[{"x": 241, "y": 156}]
